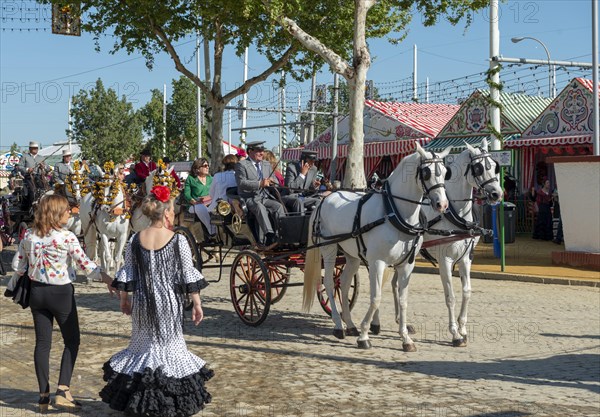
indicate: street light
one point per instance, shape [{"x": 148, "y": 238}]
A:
[{"x": 551, "y": 88}]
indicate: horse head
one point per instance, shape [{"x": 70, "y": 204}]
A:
[
  {"x": 108, "y": 192},
  {"x": 483, "y": 173},
  {"x": 76, "y": 183},
  {"x": 431, "y": 174},
  {"x": 161, "y": 176}
]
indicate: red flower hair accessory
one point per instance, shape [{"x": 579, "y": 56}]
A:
[{"x": 161, "y": 192}]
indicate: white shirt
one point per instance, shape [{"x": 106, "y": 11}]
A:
[
  {"x": 220, "y": 183},
  {"x": 50, "y": 258}
]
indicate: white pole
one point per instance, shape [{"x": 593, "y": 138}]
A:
[
  {"x": 427, "y": 90},
  {"x": 595, "y": 77},
  {"x": 313, "y": 94},
  {"x": 415, "y": 94},
  {"x": 299, "y": 119},
  {"x": 283, "y": 137},
  {"x": 198, "y": 98},
  {"x": 334, "y": 129},
  {"x": 70, "y": 127},
  {"x": 494, "y": 52},
  {"x": 164, "y": 141},
  {"x": 244, "y": 103},
  {"x": 229, "y": 131}
]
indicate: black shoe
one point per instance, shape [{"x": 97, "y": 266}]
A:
[
  {"x": 61, "y": 401},
  {"x": 43, "y": 403},
  {"x": 270, "y": 239}
]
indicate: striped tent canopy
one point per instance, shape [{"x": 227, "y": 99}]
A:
[
  {"x": 471, "y": 121},
  {"x": 566, "y": 121}
]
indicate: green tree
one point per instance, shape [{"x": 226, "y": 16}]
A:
[
  {"x": 105, "y": 127},
  {"x": 150, "y": 27},
  {"x": 368, "y": 18},
  {"x": 153, "y": 126}
]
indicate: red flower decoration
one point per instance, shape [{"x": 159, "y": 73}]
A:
[{"x": 161, "y": 192}]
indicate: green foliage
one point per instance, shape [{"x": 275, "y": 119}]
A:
[
  {"x": 14, "y": 148},
  {"x": 105, "y": 127}
]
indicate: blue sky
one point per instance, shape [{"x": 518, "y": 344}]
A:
[{"x": 39, "y": 70}]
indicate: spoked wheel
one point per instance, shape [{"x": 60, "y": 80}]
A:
[
  {"x": 185, "y": 232},
  {"x": 250, "y": 288},
  {"x": 352, "y": 294},
  {"x": 278, "y": 275}
]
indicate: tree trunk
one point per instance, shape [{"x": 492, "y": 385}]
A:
[
  {"x": 355, "y": 171},
  {"x": 216, "y": 136}
]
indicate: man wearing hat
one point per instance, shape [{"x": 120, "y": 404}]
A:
[
  {"x": 33, "y": 169},
  {"x": 301, "y": 180},
  {"x": 253, "y": 175},
  {"x": 144, "y": 167},
  {"x": 64, "y": 168}
]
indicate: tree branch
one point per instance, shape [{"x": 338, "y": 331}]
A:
[
  {"x": 313, "y": 44},
  {"x": 175, "y": 57},
  {"x": 276, "y": 66}
]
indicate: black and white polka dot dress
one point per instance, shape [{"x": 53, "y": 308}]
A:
[{"x": 156, "y": 375}]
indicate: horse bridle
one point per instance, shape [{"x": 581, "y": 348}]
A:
[
  {"x": 424, "y": 173},
  {"x": 477, "y": 169}
]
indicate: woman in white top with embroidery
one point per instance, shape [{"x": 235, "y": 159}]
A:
[
  {"x": 223, "y": 180},
  {"x": 46, "y": 253}
]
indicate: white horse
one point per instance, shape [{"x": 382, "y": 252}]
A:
[
  {"x": 76, "y": 184},
  {"x": 104, "y": 216},
  {"x": 386, "y": 231},
  {"x": 472, "y": 168},
  {"x": 160, "y": 176}
]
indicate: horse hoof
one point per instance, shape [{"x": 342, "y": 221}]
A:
[
  {"x": 375, "y": 328},
  {"x": 411, "y": 329},
  {"x": 409, "y": 347},
  {"x": 353, "y": 331},
  {"x": 459, "y": 342},
  {"x": 364, "y": 344},
  {"x": 464, "y": 338},
  {"x": 339, "y": 333}
]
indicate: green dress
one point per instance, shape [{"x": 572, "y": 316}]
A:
[{"x": 194, "y": 189}]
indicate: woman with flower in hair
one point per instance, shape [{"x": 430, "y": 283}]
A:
[{"x": 156, "y": 375}]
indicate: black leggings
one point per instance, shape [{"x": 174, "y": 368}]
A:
[{"x": 49, "y": 302}]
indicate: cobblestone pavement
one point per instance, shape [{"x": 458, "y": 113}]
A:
[{"x": 534, "y": 350}]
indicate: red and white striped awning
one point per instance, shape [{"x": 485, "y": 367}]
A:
[
  {"x": 549, "y": 141},
  {"x": 370, "y": 149}
]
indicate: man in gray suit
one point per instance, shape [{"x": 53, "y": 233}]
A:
[
  {"x": 301, "y": 179},
  {"x": 64, "y": 168},
  {"x": 253, "y": 175}
]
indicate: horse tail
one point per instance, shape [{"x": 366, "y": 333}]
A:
[{"x": 312, "y": 267}]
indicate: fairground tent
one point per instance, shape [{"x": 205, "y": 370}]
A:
[
  {"x": 391, "y": 130},
  {"x": 564, "y": 128}
]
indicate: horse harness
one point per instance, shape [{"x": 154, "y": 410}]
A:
[{"x": 392, "y": 215}]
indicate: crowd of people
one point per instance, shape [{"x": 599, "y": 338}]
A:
[{"x": 146, "y": 286}]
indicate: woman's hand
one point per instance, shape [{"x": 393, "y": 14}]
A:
[
  {"x": 197, "y": 314},
  {"x": 107, "y": 279},
  {"x": 125, "y": 304}
]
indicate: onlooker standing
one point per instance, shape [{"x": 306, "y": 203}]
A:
[
  {"x": 156, "y": 375},
  {"x": 46, "y": 252},
  {"x": 543, "y": 225}
]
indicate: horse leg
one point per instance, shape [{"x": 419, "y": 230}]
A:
[
  {"x": 375, "y": 279},
  {"x": 329, "y": 254},
  {"x": 351, "y": 268},
  {"x": 91, "y": 243},
  {"x": 403, "y": 273},
  {"x": 464, "y": 268},
  {"x": 375, "y": 327},
  {"x": 119, "y": 247},
  {"x": 104, "y": 252},
  {"x": 446, "y": 277}
]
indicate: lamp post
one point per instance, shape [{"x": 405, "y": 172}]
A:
[{"x": 551, "y": 87}]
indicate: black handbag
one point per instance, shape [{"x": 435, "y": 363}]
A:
[{"x": 20, "y": 294}]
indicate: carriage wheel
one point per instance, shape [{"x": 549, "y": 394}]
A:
[
  {"x": 278, "y": 275},
  {"x": 196, "y": 257},
  {"x": 352, "y": 295},
  {"x": 250, "y": 289}
]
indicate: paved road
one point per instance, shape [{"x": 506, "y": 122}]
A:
[{"x": 534, "y": 350}]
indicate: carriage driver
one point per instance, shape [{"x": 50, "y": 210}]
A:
[
  {"x": 64, "y": 168},
  {"x": 253, "y": 175},
  {"x": 32, "y": 167}
]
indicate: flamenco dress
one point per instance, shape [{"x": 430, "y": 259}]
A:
[{"x": 156, "y": 375}]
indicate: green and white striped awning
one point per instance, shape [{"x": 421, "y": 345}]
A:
[{"x": 458, "y": 143}]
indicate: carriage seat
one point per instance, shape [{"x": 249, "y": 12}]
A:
[{"x": 237, "y": 203}]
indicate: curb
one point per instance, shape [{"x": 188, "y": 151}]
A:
[{"x": 501, "y": 276}]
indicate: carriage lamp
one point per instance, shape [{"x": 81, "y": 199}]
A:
[{"x": 223, "y": 208}]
